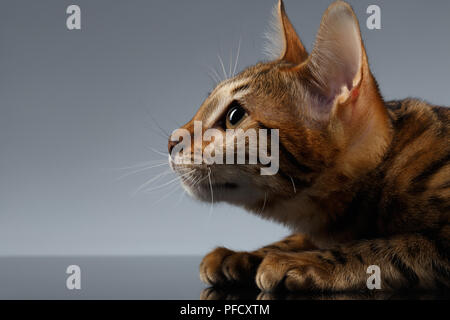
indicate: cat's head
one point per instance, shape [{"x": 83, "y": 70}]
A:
[{"x": 326, "y": 106}]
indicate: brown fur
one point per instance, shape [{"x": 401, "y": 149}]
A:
[{"x": 361, "y": 182}]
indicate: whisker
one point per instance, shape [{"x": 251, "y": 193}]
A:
[
  {"x": 153, "y": 126},
  {"x": 158, "y": 152},
  {"x": 223, "y": 67},
  {"x": 212, "y": 193},
  {"x": 152, "y": 180},
  {"x": 213, "y": 78},
  {"x": 170, "y": 182},
  {"x": 167, "y": 194},
  {"x": 164, "y": 132},
  {"x": 264, "y": 203},
  {"x": 194, "y": 181},
  {"x": 237, "y": 57},
  {"x": 138, "y": 165},
  {"x": 141, "y": 169},
  {"x": 181, "y": 197},
  {"x": 215, "y": 73},
  {"x": 158, "y": 133},
  {"x": 199, "y": 180},
  {"x": 231, "y": 62},
  {"x": 191, "y": 178},
  {"x": 293, "y": 184}
]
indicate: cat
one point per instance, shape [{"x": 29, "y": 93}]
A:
[{"x": 361, "y": 181}]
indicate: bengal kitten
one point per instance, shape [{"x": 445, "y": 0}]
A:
[{"x": 361, "y": 181}]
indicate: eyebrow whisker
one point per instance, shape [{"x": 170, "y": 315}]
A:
[
  {"x": 223, "y": 67},
  {"x": 237, "y": 57}
]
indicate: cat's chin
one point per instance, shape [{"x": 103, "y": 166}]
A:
[{"x": 229, "y": 192}]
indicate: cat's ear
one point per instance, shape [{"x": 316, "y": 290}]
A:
[
  {"x": 285, "y": 44},
  {"x": 338, "y": 60},
  {"x": 342, "y": 91}
]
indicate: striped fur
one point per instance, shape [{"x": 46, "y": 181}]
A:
[{"x": 361, "y": 181}]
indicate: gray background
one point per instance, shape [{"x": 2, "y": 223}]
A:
[{"x": 77, "y": 105}]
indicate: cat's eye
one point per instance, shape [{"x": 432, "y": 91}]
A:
[{"x": 235, "y": 115}]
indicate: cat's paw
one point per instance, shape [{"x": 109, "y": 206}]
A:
[
  {"x": 224, "y": 267},
  {"x": 293, "y": 272}
]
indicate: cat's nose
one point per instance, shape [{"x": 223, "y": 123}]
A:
[{"x": 171, "y": 145}]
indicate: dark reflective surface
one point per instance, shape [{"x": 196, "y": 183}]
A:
[
  {"x": 221, "y": 294},
  {"x": 143, "y": 277}
]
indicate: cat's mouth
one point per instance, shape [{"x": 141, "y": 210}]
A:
[
  {"x": 233, "y": 193},
  {"x": 206, "y": 190},
  {"x": 210, "y": 184},
  {"x": 218, "y": 186}
]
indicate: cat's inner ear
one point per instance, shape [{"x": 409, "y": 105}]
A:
[
  {"x": 335, "y": 66},
  {"x": 285, "y": 44}
]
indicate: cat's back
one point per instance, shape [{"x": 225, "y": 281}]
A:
[
  {"x": 405, "y": 111},
  {"x": 416, "y": 172},
  {"x": 421, "y": 130}
]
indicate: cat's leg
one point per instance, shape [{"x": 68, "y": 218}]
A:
[
  {"x": 407, "y": 261},
  {"x": 226, "y": 267}
]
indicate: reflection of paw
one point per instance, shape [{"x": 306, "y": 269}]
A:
[
  {"x": 267, "y": 296},
  {"x": 293, "y": 272},
  {"x": 224, "y": 294},
  {"x": 226, "y": 267},
  {"x": 212, "y": 294}
]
